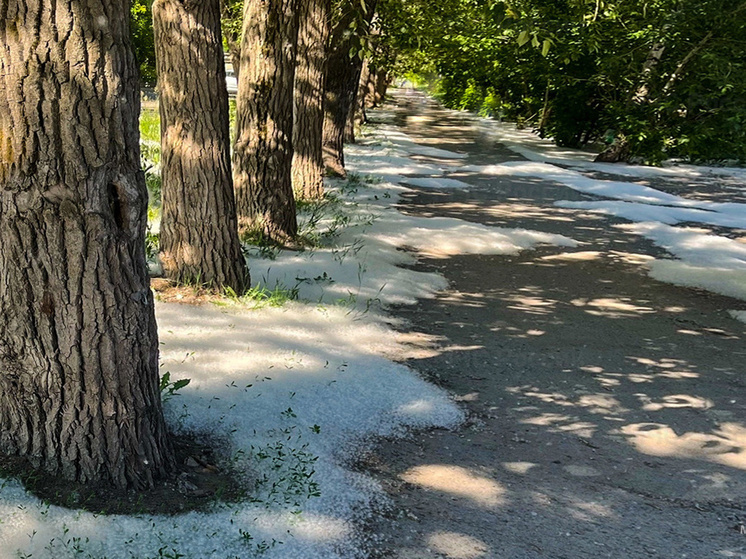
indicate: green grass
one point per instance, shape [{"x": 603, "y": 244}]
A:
[
  {"x": 150, "y": 125},
  {"x": 261, "y": 296},
  {"x": 150, "y": 159}
]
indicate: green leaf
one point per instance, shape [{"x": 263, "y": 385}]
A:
[
  {"x": 179, "y": 384},
  {"x": 545, "y": 47},
  {"x": 523, "y": 38}
]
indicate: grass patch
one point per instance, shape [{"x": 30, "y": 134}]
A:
[
  {"x": 260, "y": 296},
  {"x": 257, "y": 297},
  {"x": 150, "y": 125}
]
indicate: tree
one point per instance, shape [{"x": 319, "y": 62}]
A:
[
  {"x": 199, "y": 231},
  {"x": 264, "y": 119},
  {"x": 308, "y": 113},
  {"x": 79, "y": 390},
  {"x": 344, "y": 66}
]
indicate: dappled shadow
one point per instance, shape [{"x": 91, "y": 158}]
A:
[
  {"x": 607, "y": 416},
  {"x": 593, "y": 407}
]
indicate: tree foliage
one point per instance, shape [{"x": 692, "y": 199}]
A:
[
  {"x": 143, "y": 43},
  {"x": 583, "y": 70}
]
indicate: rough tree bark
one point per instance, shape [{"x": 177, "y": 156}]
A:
[
  {"x": 199, "y": 231},
  {"x": 342, "y": 79},
  {"x": 79, "y": 393},
  {"x": 263, "y": 152},
  {"x": 308, "y": 114}
]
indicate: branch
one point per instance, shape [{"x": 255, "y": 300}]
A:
[{"x": 691, "y": 54}]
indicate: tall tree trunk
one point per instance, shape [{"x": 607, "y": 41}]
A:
[
  {"x": 308, "y": 114},
  {"x": 342, "y": 79},
  {"x": 264, "y": 119},
  {"x": 366, "y": 94},
  {"x": 356, "y": 116},
  {"x": 79, "y": 392},
  {"x": 234, "y": 51},
  {"x": 340, "y": 88},
  {"x": 199, "y": 231}
]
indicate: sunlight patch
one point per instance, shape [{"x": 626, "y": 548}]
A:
[
  {"x": 458, "y": 481},
  {"x": 458, "y": 546}
]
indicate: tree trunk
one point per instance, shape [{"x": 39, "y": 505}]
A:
[
  {"x": 338, "y": 94},
  {"x": 234, "y": 51},
  {"x": 357, "y": 110},
  {"x": 342, "y": 79},
  {"x": 308, "y": 115},
  {"x": 382, "y": 84},
  {"x": 369, "y": 92},
  {"x": 264, "y": 119},
  {"x": 199, "y": 231},
  {"x": 79, "y": 392},
  {"x": 651, "y": 62}
]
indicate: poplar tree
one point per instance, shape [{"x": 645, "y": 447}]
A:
[{"x": 79, "y": 388}]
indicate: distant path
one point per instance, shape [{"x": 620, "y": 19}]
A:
[{"x": 607, "y": 411}]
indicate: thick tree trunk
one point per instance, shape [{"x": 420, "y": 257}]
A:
[
  {"x": 199, "y": 231},
  {"x": 308, "y": 162},
  {"x": 342, "y": 79},
  {"x": 79, "y": 393},
  {"x": 264, "y": 121},
  {"x": 369, "y": 91}
]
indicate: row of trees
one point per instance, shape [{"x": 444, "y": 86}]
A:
[
  {"x": 299, "y": 64},
  {"x": 650, "y": 78},
  {"x": 79, "y": 386}
]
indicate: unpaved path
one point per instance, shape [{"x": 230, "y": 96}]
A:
[{"x": 607, "y": 411}]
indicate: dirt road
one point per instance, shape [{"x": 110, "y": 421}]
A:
[{"x": 607, "y": 411}]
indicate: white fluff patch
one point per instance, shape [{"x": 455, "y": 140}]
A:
[
  {"x": 707, "y": 261},
  {"x": 436, "y": 183},
  {"x": 738, "y": 315},
  {"x": 297, "y": 388}
]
